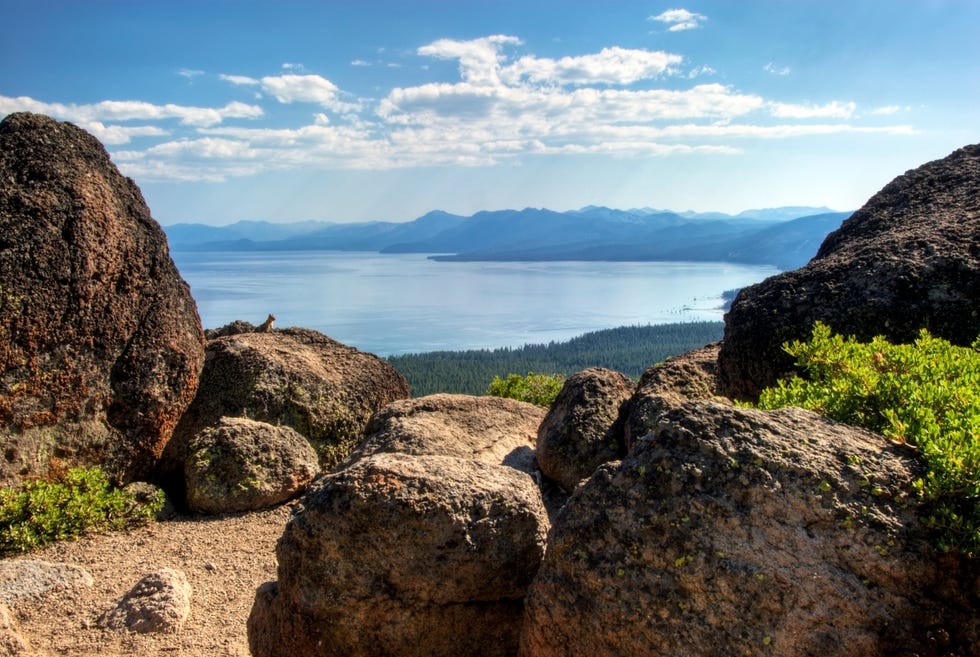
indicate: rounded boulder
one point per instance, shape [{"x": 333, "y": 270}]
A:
[
  {"x": 582, "y": 430},
  {"x": 404, "y": 555},
  {"x": 244, "y": 465}
]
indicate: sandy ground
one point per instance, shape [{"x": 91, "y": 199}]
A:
[{"x": 225, "y": 560}]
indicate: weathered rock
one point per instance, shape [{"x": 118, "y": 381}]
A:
[
  {"x": 292, "y": 377},
  {"x": 12, "y": 644},
  {"x": 731, "y": 531},
  {"x": 485, "y": 429},
  {"x": 23, "y": 579},
  {"x": 687, "y": 377},
  {"x": 582, "y": 429},
  {"x": 159, "y": 603},
  {"x": 244, "y": 465},
  {"x": 909, "y": 259},
  {"x": 404, "y": 555},
  {"x": 100, "y": 341},
  {"x": 234, "y": 328}
]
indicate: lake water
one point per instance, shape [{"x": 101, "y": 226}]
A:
[{"x": 396, "y": 304}]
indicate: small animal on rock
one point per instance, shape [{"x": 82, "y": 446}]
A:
[{"x": 266, "y": 326}]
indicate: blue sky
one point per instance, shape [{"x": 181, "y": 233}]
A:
[{"x": 356, "y": 111}]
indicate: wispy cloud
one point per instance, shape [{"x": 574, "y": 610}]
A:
[
  {"x": 680, "y": 19},
  {"x": 888, "y": 110},
  {"x": 832, "y": 110},
  {"x": 776, "y": 70},
  {"x": 132, "y": 110}
]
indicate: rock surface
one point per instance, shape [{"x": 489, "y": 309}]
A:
[
  {"x": 293, "y": 377},
  {"x": 100, "y": 341},
  {"x": 234, "y": 328},
  {"x": 730, "y": 531},
  {"x": 22, "y": 579},
  {"x": 485, "y": 429},
  {"x": 909, "y": 259},
  {"x": 409, "y": 555},
  {"x": 159, "y": 603},
  {"x": 582, "y": 429},
  {"x": 244, "y": 465},
  {"x": 687, "y": 377}
]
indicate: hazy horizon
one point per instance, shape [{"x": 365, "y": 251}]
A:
[
  {"x": 383, "y": 111},
  {"x": 406, "y": 220}
]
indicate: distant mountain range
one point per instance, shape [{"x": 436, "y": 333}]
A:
[{"x": 784, "y": 237}]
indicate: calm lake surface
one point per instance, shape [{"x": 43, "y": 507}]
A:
[{"x": 396, "y": 304}]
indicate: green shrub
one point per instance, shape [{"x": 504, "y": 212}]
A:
[
  {"x": 925, "y": 395},
  {"x": 83, "y": 501},
  {"x": 540, "y": 389}
]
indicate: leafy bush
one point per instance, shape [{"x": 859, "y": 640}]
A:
[
  {"x": 926, "y": 395},
  {"x": 83, "y": 501},
  {"x": 540, "y": 389}
]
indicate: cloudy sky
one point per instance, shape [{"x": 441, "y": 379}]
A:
[{"x": 354, "y": 111}]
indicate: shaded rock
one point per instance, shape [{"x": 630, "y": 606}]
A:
[
  {"x": 292, "y": 377},
  {"x": 159, "y": 603},
  {"x": 26, "y": 579},
  {"x": 582, "y": 429},
  {"x": 404, "y": 555},
  {"x": 909, "y": 259},
  {"x": 244, "y": 465},
  {"x": 12, "y": 644},
  {"x": 687, "y": 377},
  {"x": 146, "y": 493},
  {"x": 100, "y": 341},
  {"x": 234, "y": 328},
  {"x": 485, "y": 429},
  {"x": 731, "y": 531}
]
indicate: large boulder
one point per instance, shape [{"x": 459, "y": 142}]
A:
[
  {"x": 293, "y": 377},
  {"x": 582, "y": 429},
  {"x": 486, "y": 429},
  {"x": 909, "y": 259},
  {"x": 409, "y": 555},
  {"x": 100, "y": 341},
  {"x": 665, "y": 386},
  {"x": 731, "y": 531},
  {"x": 244, "y": 465}
]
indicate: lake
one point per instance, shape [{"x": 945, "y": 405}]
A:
[{"x": 405, "y": 303}]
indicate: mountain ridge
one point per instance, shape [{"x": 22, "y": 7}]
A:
[{"x": 777, "y": 236}]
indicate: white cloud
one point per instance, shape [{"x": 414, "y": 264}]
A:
[
  {"x": 888, "y": 110},
  {"x": 239, "y": 79},
  {"x": 115, "y": 135},
  {"x": 479, "y": 59},
  {"x": 832, "y": 110},
  {"x": 698, "y": 71},
  {"x": 359, "y": 62},
  {"x": 609, "y": 66},
  {"x": 300, "y": 89},
  {"x": 680, "y": 19},
  {"x": 293, "y": 88},
  {"x": 776, "y": 70},
  {"x": 502, "y": 106},
  {"x": 189, "y": 73}
]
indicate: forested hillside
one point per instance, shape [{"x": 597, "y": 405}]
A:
[{"x": 628, "y": 349}]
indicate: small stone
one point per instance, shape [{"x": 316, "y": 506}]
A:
[{"x": 159, "y": 603}]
